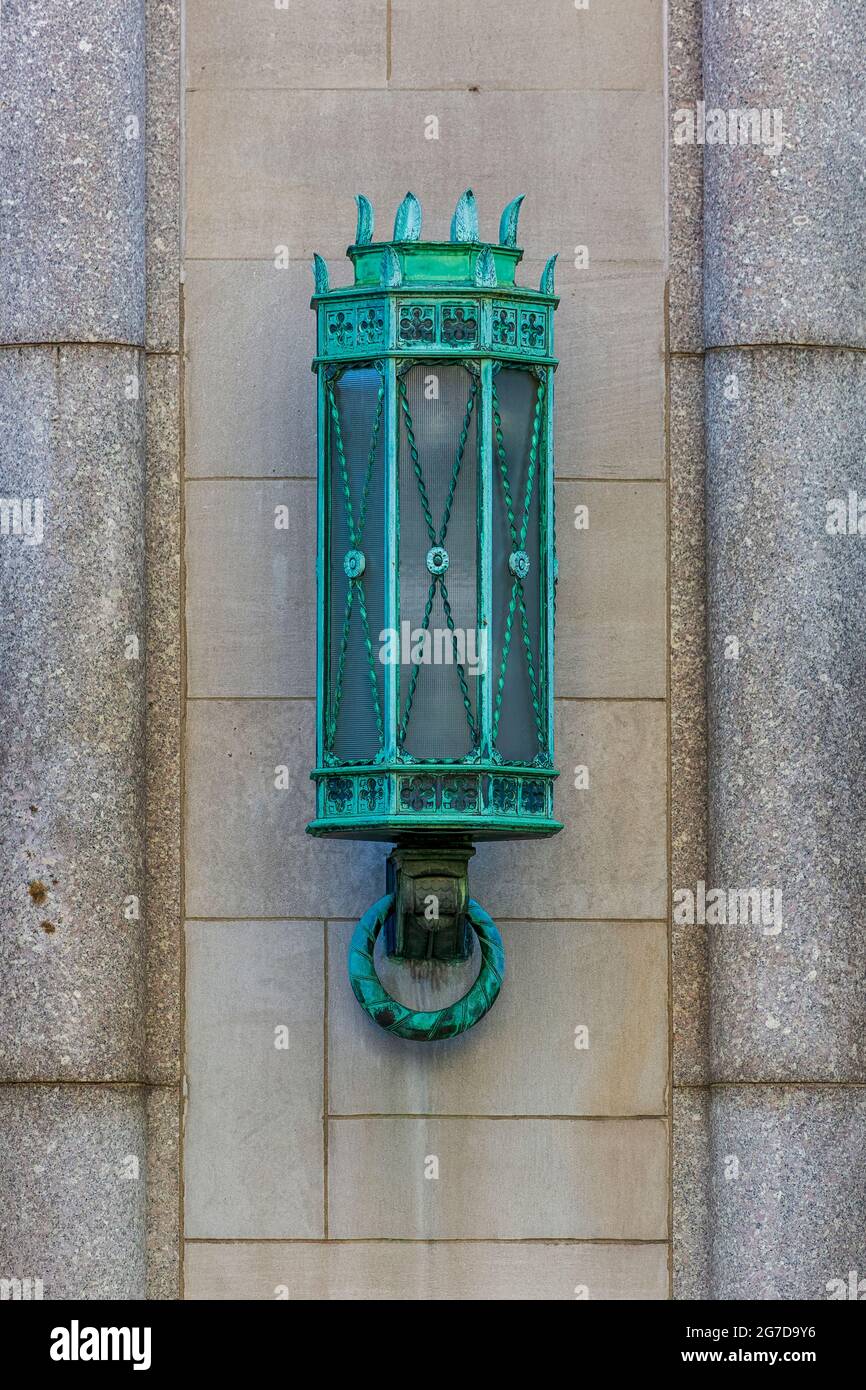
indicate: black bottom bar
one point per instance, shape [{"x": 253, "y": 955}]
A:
[{"x": 60, "y": 1338}]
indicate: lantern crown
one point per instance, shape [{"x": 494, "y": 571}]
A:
[
  {"x": 406, "y": 260},
  {"x": 458, "y": 295}
]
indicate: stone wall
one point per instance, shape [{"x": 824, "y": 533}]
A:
[
  {"x": 173, "y": 945},
  {"x": 769, "y": 1192},
  {"x": 786, "y": 428}
]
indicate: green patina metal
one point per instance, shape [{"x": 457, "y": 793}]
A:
[
  {"x": 388, "y": 506},
  {"x": 424, "y": 1025}
]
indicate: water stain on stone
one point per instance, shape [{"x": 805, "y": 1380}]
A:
[
  {"x": 37, "y": 890},
  {"x": 48, "y": 927}
]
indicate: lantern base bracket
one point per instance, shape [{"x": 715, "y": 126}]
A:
[{"x": 430, "y": 920}]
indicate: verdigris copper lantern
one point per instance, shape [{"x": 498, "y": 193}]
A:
[{"x": 436, "y": 576}]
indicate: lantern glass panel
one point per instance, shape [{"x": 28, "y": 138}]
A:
[
  {"x": 439, "y": 406},
  {"x": 356, "y": 450},
  {"x": 516, "y": 605}
]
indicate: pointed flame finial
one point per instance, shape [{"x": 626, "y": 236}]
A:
[
  {"x": 320, "y": 274},
  {"x": 546, "y": 285},
  {"x": 464, "y": 223},
  {"x": 407, "y": 223},
  {"x": 364, "y": 231},
  {"x": 508, "y": 222}
]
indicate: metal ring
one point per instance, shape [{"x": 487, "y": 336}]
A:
[{"x": 431, "y": 1025}]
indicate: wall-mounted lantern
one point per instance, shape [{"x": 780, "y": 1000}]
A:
[{"x": 436, "y": 575}]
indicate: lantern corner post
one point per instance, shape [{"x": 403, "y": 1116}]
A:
[
  {"x": 550, "y": 563},
  {"x": 391, "y": 668},
  {"x": 322, "y": 584},
  {"x": 485, "y": 561}
]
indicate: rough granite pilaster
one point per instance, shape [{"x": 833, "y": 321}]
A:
[
  {"x": 788, "y": 1191},
  {"x": 72, "y": 713},
  {"x": 788, "y": 743},
  {"x": 784, "y": 223},
  {"x": 72, "y": 160},
  {"x": 72, "y": 1175},
  {"x": 688, "y": 722},
  {"x": 786, "y": 571},
  {"x": 164, "y": 374},
  {"x": 72, "y": 701}
]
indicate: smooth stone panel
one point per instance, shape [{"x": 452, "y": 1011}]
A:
[
  {"x": 72, "y": 705},
  {"x": 611, "y": 596},
  {"x": 609, "y": 389},
  {"x": 526, "y": 1057},
  {"x": 610, "y": 860},
  {"x": 251, "y": 588},
  {"x": 163, "y": 175},
  {"x": 785, "y": 223},
  {"x": 423, "y": 1271},
  {"x": 305, "y": 43},
  {"x": 250, "y": 394},
  {"x": 788, "y": 1191},
  {"x": 72, "y": 154},
  {"x": 163, "y": 723},
  {"x": 690, "y": 1152},
  {"x": 787, "y": 735},
  {"x": 500, "y": 1179},
  {"x": 685, "y": 194},
  {"x": 73, "y": 1178},
  {"x": 247, "y": 853},
  {"x": 279, "y": 168},
  {"x": 688, "y": 713},
  {"x": 254, "y": 1146},
  {"x": 502, "y": 44}
]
